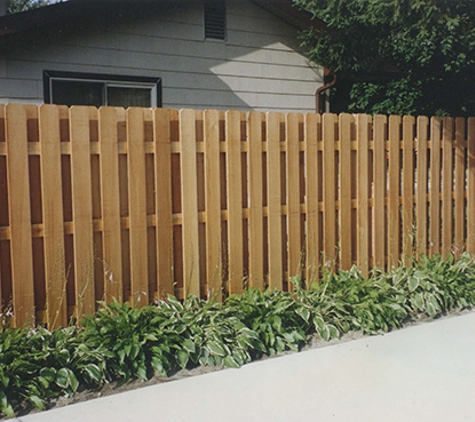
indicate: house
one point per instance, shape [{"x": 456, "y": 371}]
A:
[{"x": 224, "y": 54}]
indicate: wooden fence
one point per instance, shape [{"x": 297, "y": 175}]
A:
[{"x": 138, "y": 204}]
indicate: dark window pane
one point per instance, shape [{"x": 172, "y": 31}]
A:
[
  {"x": 78, "y": 93},
  {"x": 128, "y": 97}
]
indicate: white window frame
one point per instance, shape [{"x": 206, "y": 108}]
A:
[{"x": 113, "y": 81}]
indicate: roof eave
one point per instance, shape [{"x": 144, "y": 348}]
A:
[{"x": 57, "y": 13}]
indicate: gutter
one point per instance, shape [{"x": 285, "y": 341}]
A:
[{"x": 323, "y": 88}]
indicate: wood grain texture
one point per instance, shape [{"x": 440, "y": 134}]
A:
[
  {"x": 137, "y": 207},
  {"x": 256, "y": 200},
  {"x": 81, "y": 196},
  {"x": 52, "y": 208},
  {"x": 189, "y": 198},
  {"x": 110, "y": 202},
  {"x": 274, "y": 201},
  {"x": 214, "y": 252},
  {"x": 234, "y": 202},
  {"x": 19, "y": 215}
]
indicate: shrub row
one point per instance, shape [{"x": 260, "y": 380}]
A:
[{"x": 119, "y": 343}]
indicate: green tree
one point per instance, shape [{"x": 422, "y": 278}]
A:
[
  {"x": 17, "y": 6},
  {"x": 431, "y": 43}
]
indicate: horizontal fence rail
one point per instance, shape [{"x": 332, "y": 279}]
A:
[{"x": 135, "y": 205}]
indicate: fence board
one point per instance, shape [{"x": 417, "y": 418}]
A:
[
  {"x": 394, "y": 191},
  {"x": 163, "y": 202},
  {"x": 19, "y": 216},
  {"x": 81, "y": 192},
  {"x": 408, "y": 188},
  {"x": 137, "y": 206},
  {"x": 36, "y": 212},
  {"x": 363, "y": 194},
  {"x": 471, "y": 186},
  {"x": 447, "y": 186},
  {"x": 234, "y": 202},
  {"x": 312, "y": 249},
  {"x": 189, "y": 199},
  {"x": 345, "y": 235},
  {"x": 51, "y": 192},
  {"x": 4, "y": 250},
  {"x": 161, "y": 198},
  {"x": 214, "y": 254},
  {"x": 459, "y": 179},
  {"x": 421, "y": 189},
  {"x": 274, "y": 200},
  {"x": 329, "y": 191},
  {"x": 434, "y": 192},
  {"x": 110, "y": 202},
  {"x": 379, "y": 191},
  {"x": 294, "y": 245},
  {"x": 256, "y": 198}
]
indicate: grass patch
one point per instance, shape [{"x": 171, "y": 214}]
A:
[{"x": 120, "y": 343}]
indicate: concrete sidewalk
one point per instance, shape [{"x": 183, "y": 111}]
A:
[{"x": 421, "y": 373}]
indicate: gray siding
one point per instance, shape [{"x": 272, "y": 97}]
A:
[{"x": 259, "y": 66}]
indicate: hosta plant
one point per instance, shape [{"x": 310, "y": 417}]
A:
[{"x": 119, "y": 343}]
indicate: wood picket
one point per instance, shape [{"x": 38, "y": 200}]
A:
[{"x": 134, "y": 205}]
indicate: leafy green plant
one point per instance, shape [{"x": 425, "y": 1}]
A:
[
  {"x": 396, "y": 57},
  {"x": 35, "y": 365},
  {"x": 354, "y": 303},
  {"x": 119, "y": 343},
  {"x": 134, "y": 342},
  {"x": 272, "y": 316},
  {"x": 209, "y": 337},
  {"x": 436, "y": 285}
]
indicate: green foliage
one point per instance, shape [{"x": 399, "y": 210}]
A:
[
  {"x": 353, "y": 303},
  {"x": 36, "y": 365},
  {"x": 120, "y": 343},
  {"x": 133, "y": 342},
  {"x": 431, "y": 42},
  {"x": 17, "y": 6},
  {"x": 275, "y": 317}
]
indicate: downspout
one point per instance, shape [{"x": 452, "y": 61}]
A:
[{"x": 328, "y": 85}]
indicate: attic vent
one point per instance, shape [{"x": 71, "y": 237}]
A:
[{"x": 215, "y": 20}]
